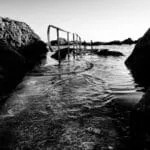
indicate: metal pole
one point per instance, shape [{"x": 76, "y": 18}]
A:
[
  {"x": 76, "y": 42},
  {"x": 73, "y": 46},
  {"x": 59, "y": 56},
  {"x": 80, "y": 46},
  {"x": 68, "y": 45},
  {"x": 80, "y": 43},
  {"x": 84, "y": 45},
  {"x": 91, "y": 45},
  {"x": 48, "y": 38}
]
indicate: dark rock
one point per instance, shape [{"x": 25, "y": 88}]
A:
[
  {"x": 11, "y": 66},
  {"x": 106, "y": 52},
  {"x": 128, "y": 100},
  {"x": 20, "y": 50},
  {"x": 63, "y": 53},
  {"x": 128, "y": 41},
  {"x": 139, "y": 61},
  {"x": 140, "y": 131},
  {"x": 61, "y": 41},
  {"x": 34, "y": 53}
]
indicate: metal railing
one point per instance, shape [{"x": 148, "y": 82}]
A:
[{"x": 76, "y": 41}]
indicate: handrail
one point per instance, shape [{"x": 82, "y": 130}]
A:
[
  {"x": 48, "y": 34},
  {"x": 75, "y": 36}
]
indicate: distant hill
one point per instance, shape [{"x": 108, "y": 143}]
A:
[
  {"x": 63, "y": 41},
  {"x": 115, "y": 42}
]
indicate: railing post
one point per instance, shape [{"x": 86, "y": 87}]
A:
[
  {"x": 80, "y": 46},
  {"x": 73, "y": 46},
  {"x": 91, "y": 45},
  {"x": 80, "y": 43},
  {"x": 48, "y": 37},
  {"x": 59, "y": 56},
  {"x": 76, "y": 43},
  {"x": 85, "y": 45},
  {"x": 68, "y": 45}
]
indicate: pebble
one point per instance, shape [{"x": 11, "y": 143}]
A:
[{"x": 88, "y": 145}]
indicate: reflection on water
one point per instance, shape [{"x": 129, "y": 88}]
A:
[{"x": 64, "y": 107}]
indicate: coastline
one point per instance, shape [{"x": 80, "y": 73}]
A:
[{"x": 101, "y": 127}]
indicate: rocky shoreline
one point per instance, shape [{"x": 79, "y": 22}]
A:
[
  {"x": 138, "y": 63},
  {"x": 20, "y": 50}
]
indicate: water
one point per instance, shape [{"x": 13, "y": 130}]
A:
[{"x": 65, "y": 107}]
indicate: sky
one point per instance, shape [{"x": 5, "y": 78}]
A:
[{"x": 97, "y": 20}]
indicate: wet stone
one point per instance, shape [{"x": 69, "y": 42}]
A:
[
  {"x": 88, "y": 145},
  {"x": 94, "y": 130}
]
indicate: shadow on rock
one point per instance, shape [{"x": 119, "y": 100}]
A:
[
  {"x": 20, "y": 50},
  {"x": 34, "y": 53},
  {"x": 138, "y": 62},
  {"x": 12, "y": 66}
]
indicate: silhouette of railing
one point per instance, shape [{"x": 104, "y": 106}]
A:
[{"x": 76, "y": 43}]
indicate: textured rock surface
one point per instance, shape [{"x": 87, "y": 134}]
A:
[
  {"x": 139, "y": 61},
  {"x": 17, "y": 34},
  {"x": 20, "y": 49}
]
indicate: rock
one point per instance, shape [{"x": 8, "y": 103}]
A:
[
  {"x": 20, "y": 50},
  {"x": 11, "y": 64},
  {"x": 128, "y": 100},
  {"x": 140, "y": 123},
  {"x": 62, "y": 41},
  {"x": 144, "y": 103},
  {"x": 88, "y": 145},
  {"x": 94, "y": 130},
  {"x": 34, "y": 53},
  {"x": 139, "y": 61},
  {"x": 110, "y": 147},
  {"x": 106, "y": 52},
  {"x": 63, "y": 53},
  {"x": 17, "y": 34},
  {"x": 128, "y": 41}
]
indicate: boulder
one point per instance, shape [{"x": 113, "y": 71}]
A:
[
  {"x": 17, "y": 34},
  {"x": 140, "y": 131},
  {"x": 128, "y": 100},
  {"x": 62, "y": 41},
  {"x": 128, "y": 41},
  {"x": 139, "y": 61},
  {"x": 106, "y": 52},
  {"x": 12, "y": 65},
  {"x": 20, "y": 50},
  {"x": 63, "y": 53}
]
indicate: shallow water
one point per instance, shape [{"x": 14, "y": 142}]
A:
[{"x": 63, "y": 107}]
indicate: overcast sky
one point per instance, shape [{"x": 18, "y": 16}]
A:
[{"x": 97, "y": 20}]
